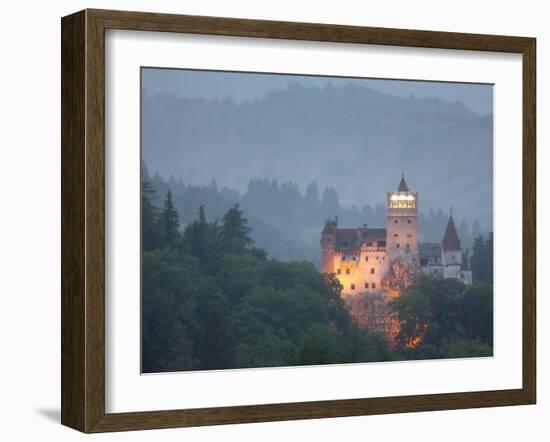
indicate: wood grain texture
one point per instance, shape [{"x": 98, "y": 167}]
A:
[
  {"x": 95, "y": 222},
  {"x": 83, "y": 219},
  {"x": 529, "y": 221},
  {"x": 73, "y": 128},
  {"x": 145, "y": 21}
]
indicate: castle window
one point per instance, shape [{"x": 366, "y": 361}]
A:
[
  {"x": 373, "y": 285},
  {"x": 397, "y": 245},
  {"x": 409, "y": 235},
  {"x": 409, "y": 221},
  {"x": 347, "y": 271},
  {"x": 366, "y": 258},
  {"x": 395, "y": 235},
  {"x": 377, "y": 257},
  {"x": 395, "y": 221},
  {"x": 372, "y": 271},
  {"x": 339, "y": 271},
  {"x": 383, "y": 258},
  {"x": 353, "y": 258},
  {"x": 366, "y": 285},
  {"x": 353, "y": 286},
  {"x": 407, "y": 245}
]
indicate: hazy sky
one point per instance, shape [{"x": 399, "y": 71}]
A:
[
  {"x": 221, "y": 85},
  {"x": 356, "y": 136}
]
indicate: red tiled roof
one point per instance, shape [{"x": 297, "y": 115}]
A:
[
  {"x": 374, "y": 234},
  {"x": 353, "y": 237},
  {"x": 450, "y": 239},
  {"x": 346, "y": 237}
]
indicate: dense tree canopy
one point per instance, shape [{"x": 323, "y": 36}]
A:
[
  {"x": 211, "y": 300},
  {"x": 441, "y": 318}
]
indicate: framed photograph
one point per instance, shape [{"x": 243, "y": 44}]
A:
[{"x": 269, "y": 220}]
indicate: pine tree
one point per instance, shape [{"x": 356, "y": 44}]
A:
[
  {"x": 234, "y": 231},
  {"x": 482, "y": 259},
  {"x": 169, "y": 221},
  {"x": 329, "y": 202},
  {"x": 464, "y": 234},
  {"x": 149, "y": 217},
  {"x": 202, "y": 240},
  {"x": 476, "y": 229},
  {"x": 196, "y": 235},
  {"x": 312, "y": 201}
]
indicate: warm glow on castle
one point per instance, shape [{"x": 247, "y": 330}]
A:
[{"x": 383, "y": 261}]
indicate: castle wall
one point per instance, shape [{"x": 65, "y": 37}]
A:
[
  {"x": 402, "y": 224},
  {"x": 432, "y": 270},
  {"x": 360, "y": 271},
  {"x": 452, "y": 271},
  {"x": 452, "y": 257},
  {"x": 371, "y": 311},
  {"x": 328, "y": 246},
  {"x": 402, "y": 236}
]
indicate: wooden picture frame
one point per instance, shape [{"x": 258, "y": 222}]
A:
[{"x": 83, "y": 220}]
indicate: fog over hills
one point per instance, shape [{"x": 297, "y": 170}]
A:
[{"x": 354, "y": 139}]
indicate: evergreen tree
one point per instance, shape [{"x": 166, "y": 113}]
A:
[
  {"x": 202, "y": 239},
  {"x": 482, "y": 259},
  {"x": 312, "y": 200},
  {"x": 330, "y": 204},
  {"x": 476, "y": 229},
  {"x": 169, "y": 222},
  {"x": 149, "y": 217},
  {"x": 464, "y": 235},
  {"x": 234, "y": 231}
]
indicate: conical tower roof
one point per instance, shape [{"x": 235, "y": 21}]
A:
[
  {"x": 450, "y": 239},
  {"x": 402, "y": 184}
]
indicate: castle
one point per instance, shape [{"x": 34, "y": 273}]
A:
[{"x": 374, "y": 260}]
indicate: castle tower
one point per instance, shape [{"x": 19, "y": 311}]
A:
[
  {"x": 452, "y": 251},
  {"x": 402, "y": 222},
  {"x": 328, "y": 244}
]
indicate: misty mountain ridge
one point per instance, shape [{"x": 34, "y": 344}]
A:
[{"x": 353, "y": 139}]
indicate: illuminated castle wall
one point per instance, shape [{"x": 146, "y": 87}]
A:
[
  {"x": 361, "y": 257},
  {"x": 357, "y": 256}
]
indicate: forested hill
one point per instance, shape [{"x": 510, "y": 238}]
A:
[
  {"x": 285, "y": 221},
  {"x": 352, "y": 138},
  {"x": 212, "y": 300}
]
